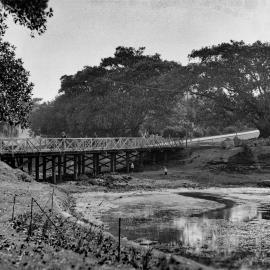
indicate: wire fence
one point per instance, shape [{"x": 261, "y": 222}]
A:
[{"x": 41, "y": 220}]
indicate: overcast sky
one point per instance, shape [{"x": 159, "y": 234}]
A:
[{"x": 82, "y": 32}]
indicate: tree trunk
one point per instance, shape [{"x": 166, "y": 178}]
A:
[{"x": 264, "y": 128}]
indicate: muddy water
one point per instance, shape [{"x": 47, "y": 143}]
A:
[
  {"x": 236, "y": 232},
  {"x": 223, "y": 227}
]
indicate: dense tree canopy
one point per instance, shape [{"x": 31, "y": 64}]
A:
[
  {"x": 15, "y": 88},
  {"x": 236, "y": 76},
  {"x": 115, "y": 98},
  {"x": 31, "y": 13}
]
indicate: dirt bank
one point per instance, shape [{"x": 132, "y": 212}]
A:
[
  {"x": 60, "y": 241},
  {"x": 18, "y": 253}
]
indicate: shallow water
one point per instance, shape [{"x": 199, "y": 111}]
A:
[
  {"x": 241, "y": 224},
  {"x": 219, "y": 226}
]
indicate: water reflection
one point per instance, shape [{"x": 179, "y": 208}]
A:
[{"x": 212, "y": 230}]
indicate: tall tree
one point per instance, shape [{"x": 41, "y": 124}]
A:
[
  {"x": 15, "y": 88},
  {"x": 118, "y": 96},
  {"x": 31, "y": 13},
  {"x": 236, "y": 76}
]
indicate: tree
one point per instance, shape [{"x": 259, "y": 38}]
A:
[
  {"x": 31, "y": 13},
  {"x": 117, "y": 97},
  {"x": 15, "y": 88},
  {"x": 236, "y": 76}
]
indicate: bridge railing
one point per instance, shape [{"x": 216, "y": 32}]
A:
[{"x": 33, "y": 145}]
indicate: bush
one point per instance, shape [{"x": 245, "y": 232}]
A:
[
  {"x": 230, "y": 129},
  {"x": 198, "y": 132},
  {"x": 212, "y": 131},
  {"x": 174, "y": 132}
]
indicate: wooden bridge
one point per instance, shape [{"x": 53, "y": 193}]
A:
[{"x": 57, "y": 156}]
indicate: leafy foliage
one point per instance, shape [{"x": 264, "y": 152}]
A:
[
  {"x": 31, "y": 13},
  {"x": 15, "y": 89},
  {"x": 236, "y": 77},
  {"x": 113, "y": 99}
]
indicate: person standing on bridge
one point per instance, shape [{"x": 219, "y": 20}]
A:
[{"x": 63, "y": 136}]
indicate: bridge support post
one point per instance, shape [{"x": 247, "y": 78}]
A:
[
  {"x": 75, "y": 161},
  {"x": 94, "y": 165},
  {"x": 127, "y": 162},
  {"x": 165, "y": 155},
  {"x": 21, "y": 163},
  {"x": 65, "y": 165},
  {"x": 141, "y": 161},
  {"x": 44, "y": 165},
  {"x": 53, "y": 170},
  {"x": 113, "y": 162},
  {"x": 83, "y": 164},
  {"x": 37, "y": 168},
  {"x": 12, "y": 162},
  {"x": 59, "y": 168},
  {"x": 79, "y": 164},
  {"x": 154, "y": 158},
  {"x": 96, "y": 169},
  {"x": 30, "y": 167}
]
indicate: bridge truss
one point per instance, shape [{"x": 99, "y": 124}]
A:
[{"x": 46, "y": 145}]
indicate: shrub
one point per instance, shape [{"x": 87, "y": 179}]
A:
[
  {"x": 211, "y": 131},
  {"x": 198, "y": 132},
  {"x": 230, "y": 129},
  {"x": 174, "y": 132}
]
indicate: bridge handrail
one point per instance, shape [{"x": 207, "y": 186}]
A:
[{"x": 40, "y": 144}]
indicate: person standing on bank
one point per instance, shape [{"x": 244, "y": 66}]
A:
[
  {"x": 165, "y": 170},
  {"x": 132, "y": 167}
]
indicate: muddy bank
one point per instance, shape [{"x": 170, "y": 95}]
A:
[
  {"x": 222, "y": 227},
  {"x": 92, "y": 205},
  {"x": 58, "y": 240}
]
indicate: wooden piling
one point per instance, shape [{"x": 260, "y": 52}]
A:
[
  {"x": 65, "y": 165},
  {"x": 44, "y": 168},
  {"x": 141, "y": 161},
  {"x": 30, "y": 166},
  {"x": 53, "y": 170},
  {"x": 79, "y": 164},
  {"x": 75, "y": 169},
  {"x": 95, "y": 164},
  {"x": 21, "y": 163},
  {"x": 59, "y": 168},
  {"x": 154, "y": 158},
  {"x": 127, "y": 162},
  {"x": 165, "y": 155},
  {"x": 83, "y": 164},
  {"x": 37, "y": 168},
  {"x": 113, "y": 162},
  {"x": 13, "y": 162}
]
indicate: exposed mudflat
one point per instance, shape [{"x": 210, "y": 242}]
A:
[{"x": 224, "y": 227}]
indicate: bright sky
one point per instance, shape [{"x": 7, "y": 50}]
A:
[{"x": 82, "y": 32}]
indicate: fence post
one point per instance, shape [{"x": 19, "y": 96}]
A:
[
  {"x": 119, "y": 240},
  {"x": 31, "y": 218},
  {"x": 13, "y": 208},
  {"x": 52, "y": 200}
]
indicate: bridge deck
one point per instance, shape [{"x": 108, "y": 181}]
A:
[{"x": 59, "y": 145}]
